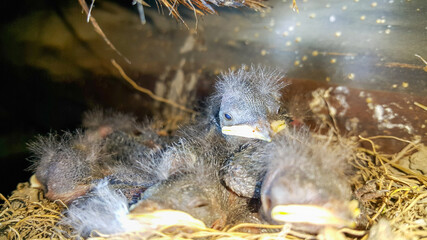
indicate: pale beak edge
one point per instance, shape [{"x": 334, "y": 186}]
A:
[
  {"x": 166, "y": 218},
  {"x": 246, "y": 131},
  {"x": 310, "y": 214}
]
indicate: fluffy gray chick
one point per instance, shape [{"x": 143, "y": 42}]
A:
[
  {"x": 113, "y": 144},
  {"x": 198, "y": 191},
  {"x": 303, "y": 170},
  {"x": 243, "y": 106},
  {"x": 65, "y": 164}
]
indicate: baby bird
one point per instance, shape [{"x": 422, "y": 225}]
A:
[
  {"x": 113, "y": 145},
  {"x": 306, "y": 183},
  {"x": 67, "y": 164},
  {"x": 245, "y": 104},
  {"x": 196, "y": 188}
]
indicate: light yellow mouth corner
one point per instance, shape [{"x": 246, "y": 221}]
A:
[
  {"x": 311, "y": 214},
  {"x": 167, "y": 217},
  {"x": 278, "y": 125}
]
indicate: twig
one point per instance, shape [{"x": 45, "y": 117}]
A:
[
  {"x": 99, "y": 30},
  {"x": 16, "y": 232},
  {"x": 421, "y": 106},
  {"x": 392, "y": 137},
  {"x": 5, "y": 199},
  {"x": 243, "y": 225},
  {"x": 146, "y": 91},
  {"x": 413, "y": 203},
  {"x": 375, "y": 152},
  {"x": 419, "y": 177},
  {"x": 90, "y": 10},
  {"x": 422, "y": 59}
]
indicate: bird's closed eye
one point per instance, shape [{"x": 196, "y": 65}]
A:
[
  {"x": 197, "y": 203},
  {"x": 227, "y": 116}
]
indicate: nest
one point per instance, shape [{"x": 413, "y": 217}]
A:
[{"x": 385, "y": 189}]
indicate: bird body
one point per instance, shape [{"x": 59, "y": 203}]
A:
[
  {"x": 65, "y": 165},
  {"x": 112, "y": 145},
  {"x": 249, "y": 102}
]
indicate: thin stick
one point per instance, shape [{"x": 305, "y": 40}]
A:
[
  {"x": 16, "y": 232},
  {"x": 90, "y": 10},
  {"x": 147, "y": 91},
  {"x": 243, "y": 225},
  {"x": 421, "y": 178},
  {"x": 375, "y": 152},
  {"x": 414, "y": 202},
  {"x": 5, "y": 199},
  {"x": 392, "y": 137},
  {"x": 421, "y": 106},
  {"x": 99, "y": 30}
]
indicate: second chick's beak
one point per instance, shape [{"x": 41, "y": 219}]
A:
[
  {"x": 311, "y": 214},
  {"x": 256, "y": 131}
]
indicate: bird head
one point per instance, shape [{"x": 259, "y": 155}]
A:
[{"x": 246, "y": 102}]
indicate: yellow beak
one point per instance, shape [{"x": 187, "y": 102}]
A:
[
  {"x": 310, "y": 214},
  {"x": 246, "y": 131},
  {"x": 253, "y": 131},
  {"x": 166, "y": 218}
]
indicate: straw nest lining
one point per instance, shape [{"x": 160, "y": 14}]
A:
[{"x": 386, "y": 190}]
